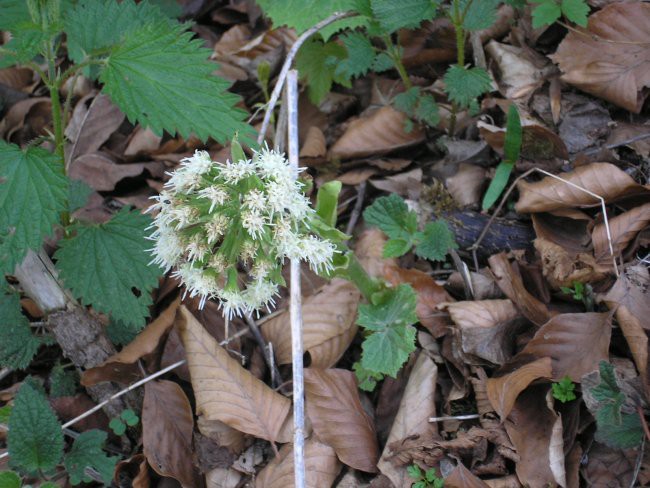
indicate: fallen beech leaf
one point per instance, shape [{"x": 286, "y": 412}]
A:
[
  {"x": 167, "y": 425},
  {"x": 466, "y": 186},
  {"x": 429, "y": 296},
  {"x": 503, "y": 391},
  {"x": 321, "y": 467},
  {"x": 562, "y": 268},
  {"x": 625, "y": 131},
  {"x": 222, "y": 478},
  {"x": 102, "y": 173},
  {"x": 142, "y": 141},
  {"x": 357, "y": 176},
  {"x": 222, "y": 434},
  {"x": 556, "y": 449},
  {"x": 369, "y": 249},
  {"x": 519, "y": 76},
  {"x": 406, "y": 184},
  {"x": 16, "y": 78},
  {"x": 26, "y": 119},
  {"x": 91, "y": 125},
  {"x": 327, "y": 315},
  {"x": 538, "y": 142},
  {"x": 575, "y": 342},
  {"x": 135, "y": 470},
  {"x": 604, "y": 179},
  {"x": 512, "y": 285},
  {"x": 611, "y": 60},
  {"x": 380, "y": 132},
  {"x": 610, "y": 467},
  {"x": 122, "y": 367},
  {"x": 224, "y": 390},
  {"x": 571, "y": 233},
  {"x": 314, "y": 145},
  {"x": 338, "y": 419},
  {"x": 461, "y": 477},
  {"x": 487, "y": 327},
  {"x": 623, "y": 229},
  {"x": 412, "y": 419}
]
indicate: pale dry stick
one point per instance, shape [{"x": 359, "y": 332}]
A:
[
  {"x": 474, "y": 246},
  {"x": 135, "y": 385},
  {"x": 471, "y": 416},
  {"x": 295, "y": 304},
  {"x": 358, "y": 206},
  {"x": 279, "y": 84}
]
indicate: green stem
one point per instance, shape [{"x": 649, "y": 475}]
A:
[
  {"x": 366, "y": 284},
  {"x": 394, "y": 54},
  {"x": 57, "y": 122},
  {"x": 457, "y": 19}
]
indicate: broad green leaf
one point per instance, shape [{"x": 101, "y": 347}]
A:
[
  {"x": 160, "y": 77},
  {"x": 576, "y": 11},
  {"x": 547, "y": 12},
  {"x": 464, "y": 85},
  {"x": 367, "y": 380},
  {"x": 435, "y": 241},
  {"x": 63, "y": 383},
  {"x": 414, "y": 471},
  {"x": 121, "y": 333},
  {"x": 24, "y": 45},
  {"x": 361, "y": 55},
  {"x": 327, "y": 200},
  {"x": 427, "y": 110},
  {"x": 392, "y": 216},
  {"x": 480, "y": 15},
  {"x": 33, "y": 191},
  {"x": 382, "y": 62},
  {"x": 9, "y": 479},
  {"x": 498, "y": 183},
  {"x": 395, "y": 248},
  {"x": 35, "y": 438},
  {"x": 79, "y": 193},
  {"x": 394, "y": 307},
  {"x": 394, "y": 15},
  {"x": 316, "y": 62},
  {"x": 18, "y": 345},
  {"x": 607, "y": 389},
  {"x": 618, "y": 431},
  {"x": 14, "y": 13},
  {"x": 104, "y": 263},
  {"x": 407, "y": 101},
  {"x": 87, "y": 452}
]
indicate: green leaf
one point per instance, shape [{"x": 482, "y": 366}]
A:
[
  {"x": 327, "y": 200},
  {"x": 563, "y": 390},
  {"x": 33, "y": 191},
  {"x": 392, "y": 216},
  {"x": 117, "y": 426},
  {"x": 367, "y": 380},
  {"x": 130, "y": 417},
  {"x": 361, "y": 55},
  {"x": 316, "y": 62},
  {"x": 62, "y": 383},
  {"x": 414, "y": 471},
  {"x": 436, "y": 241},
  {"x": 480, "y": 15},
  {"x": 103, "y": 263},
  {"x": 618, "y": 433},
  {"x": 5, "y": 412},
  {"x": 24, "y": 46},
  {"x": 498, "y": 183},
  {"x": 607, "y": 389},
  {"x": 383, "y": 62},
  {"x": 427, "y": 110},
  {"x": 547, "y": 12},
  {"x": 14, "y": 13},
  {"x": 392, "y": 336},
  {"x": 9, "y": 479},
  {"x": 35, "y": 438},
  {"x": 514, "y": 135},
  {"x": 160, "y": 77},
  {"x": 18, "y": 345},
  {"x": 394, "y": 15},
  {"x": 395, "y": 248},
  {"x": 79, "y": 193},
  {"x": 87, "y": 452},
  {"x": 576, "y": 11},
  {"x": 120, "y": 333},
  {"x": 407, "y": 101},
  {"x": 464, "y": 85}
]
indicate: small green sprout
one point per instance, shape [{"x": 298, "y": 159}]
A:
[
  {"x": 127, "y": 418},
  {"x": 577, "y": 291},
  {"x": 426, "y": 479},
  {"x": 563, "y": 390}
]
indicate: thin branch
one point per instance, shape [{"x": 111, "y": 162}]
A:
[
  {"x": 358, "y": 207},
  {"x": 471, "y": 416}
]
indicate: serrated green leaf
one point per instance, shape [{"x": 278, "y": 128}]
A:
[
  {"x": 160, "y": 77},
  {"x": 392, "y": 216},
  {"x": 576, "y": 11},
  {"x": 624, "y": 432},
  {"x": 607, "y": 389},
  {"x": 121, "y": 333},
  {"x": 24, "y": 45},
  {"x": 33, "y": 191},
  {"x": 103, "y": 263},
  {"x": 563, "y": 390},
  {"x": 9, "y": 479},
  {"x": 546, "y": 13},
  {"x": 410, "y": 14},
  {"x": 407, "y": 101},
  {"x": 480, "y": 15},
  {"x": 87, "y": 452},
  {"x": 394, "y": 307},
  {"x": 382, "y": 62},
  {"x": 316, "y": 62},
  {"x": 395, "y": 248},
  {"x": 366, "y": 380},
  {"x": 361, "y": 55},
  {"x": 435, "y": 241},
  {"x": 35, "y": 438},
  {"x": 327, "y": 200},
  {"x": 427, "y": 110},
  {"x": 464, "y": 85},
  {"x": 63, "y": 383},
  {"x": 497, "y": 185},
  {"x": 14, "y": 13},
  {"x": 79, "y": 193},
  {"x": 18, "y": 345},
  {"x": 414, "y": 471}
]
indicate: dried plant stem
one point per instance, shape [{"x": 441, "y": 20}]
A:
[
  {"x": 471, "y": 416},
  {"x": 279, "y": 84},
  {"x": 295, "y": 308}
]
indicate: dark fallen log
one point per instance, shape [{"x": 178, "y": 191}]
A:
[{"x": 503, "y": 234}]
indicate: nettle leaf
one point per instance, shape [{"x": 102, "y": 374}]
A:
[
  {"x": 18, "y": 345},
  {"x": 576, "y": 11},
  {"x": 618, "y": 430},
  {"x": 392, "y": 216},
  {"x": 316, "y": 62},
  {"x": 161, "y": 77},
  {"x": 366, "y": 380},
  {"x": 382, "y": 62},
  {"x": 63, "y": 383},
  {"x": 87, "y": 452},
  {"x": 427, "y": 110},
  {"x": 33, "y": 191},
  {"x": 394, "y": 248},
  {"x": 480, "y": 15},
  {"x": 103, "y": 263},
  {"x": 392, "y": 336},
  {"x": 410, "y": 14},
  {"x": 547, "y": 12},
  {"x": 35, "y": 438},
  {"x": 24, "y": 45},
  {"x": 407, "y": 101},
  {"x": 14, "y": 13},
  {"x": 435, "y": 241},
  {"x": 9, "y": 479},
  {"x": 361, "y": 55},
  {"x": 463, "y": 85}
]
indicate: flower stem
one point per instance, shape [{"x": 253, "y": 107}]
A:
[
  {"x": 356, "y": 273},
  {"x": 394, "y": 54},
  {"x": 457, "y": 20}
]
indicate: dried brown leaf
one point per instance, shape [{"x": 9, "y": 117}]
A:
[
  {"x": 370, "y": 252},
  {"x": 142, "y": 141},
  {"x": 503, "y": 391},
  {"x": 338, "y": 419},
  {"x": 222, "y": 434},
  {"x": 623, "y": 228},
  {"x": 314, "y": 145},
  {"x": 519, "y": 76},
  {"x": 224, "y": 390},
  {"x": 16, "y": 77},
  {"x": 466, "y": 186},
  {"x": 609, "y": 467},
  {"x": 538, "y": 142},
  {"x": 461, "y": 477},
  {"x": 563, "y": 268},
  {"x": 222, "y": 478},
  {"x": 327, "y": 315},
  {"x": 321, "y": 467},
  {"x": 167, "y": 425},
  {"x": 379, "y": 132},
  {"x": 604, "y": 179},
  {"x": 102, "y": 173},
  {"x": 611, "y": 60},
  {"x": 135, "y": 469}
]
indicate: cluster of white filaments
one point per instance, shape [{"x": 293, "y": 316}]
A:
[{"x": 227, "y": 229}]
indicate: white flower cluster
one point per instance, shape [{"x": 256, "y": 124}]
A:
[{"x": 218, "y": 222}]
